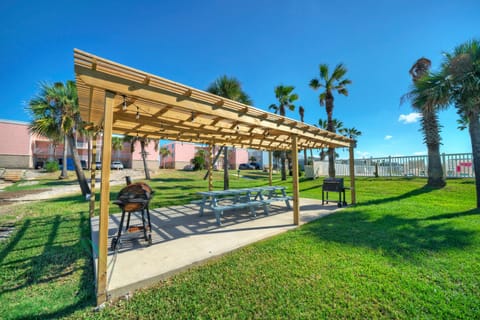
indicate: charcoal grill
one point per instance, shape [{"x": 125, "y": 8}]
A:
[
  {"x": 134, "y": 197},
  {"x": 334, "y": 185}
]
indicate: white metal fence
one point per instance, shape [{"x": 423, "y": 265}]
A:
[{"x": 458, "y": 165}]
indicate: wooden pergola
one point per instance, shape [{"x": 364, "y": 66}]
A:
[{"x": 122, "y": 100}]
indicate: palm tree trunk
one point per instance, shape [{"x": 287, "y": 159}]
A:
[
  {"x": 64, "y": 173},
  {"x": 144, "y": 158},
  {"x": 474, "y": 129},
  {"x": 82, "y": 181},
  {"x": 283, "y": 156},
  {"x": 432, "y": 139},
  {"x": 226, "y": 179},
  {"x": 331, "y": 162},
  {"x": 305, "y": 160}
]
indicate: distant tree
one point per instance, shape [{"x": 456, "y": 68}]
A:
[
  {"x": 117, "y": 145},
  {"x": 352, "y": 133},
  {"x": 286, "y": 98},
  {"x": 330, "y": 83},
  {"x": 164, "y": 153},
  {"x": 252, "y": 159}
]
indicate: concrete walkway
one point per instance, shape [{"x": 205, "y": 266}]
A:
[{"x": 182, "y": 239}]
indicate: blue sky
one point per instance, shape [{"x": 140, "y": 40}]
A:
[{"x": 262, "y": 43}]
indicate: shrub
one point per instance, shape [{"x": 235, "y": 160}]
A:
[
  {"x": 198, "y": 163},
  {"x": 52, "y": 166}
]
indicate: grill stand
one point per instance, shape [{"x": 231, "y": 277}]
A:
[
  {"x": 334, "y": 185},
  {"x": 146, "y": 225}
]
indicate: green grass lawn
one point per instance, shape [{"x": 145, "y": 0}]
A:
[{"x": 404, "y": 251}]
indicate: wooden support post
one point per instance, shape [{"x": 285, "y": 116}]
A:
[
  {"x": 296, "y": 189},
  {"x": 210, "y": 167},
  {"x": 93, "y": 169},
  {"x": 352, "y": 174},
  {"x": 270, "y": 168},
  {"x": 105, "y": 199}
]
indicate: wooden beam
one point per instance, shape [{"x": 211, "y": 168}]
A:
[
  {"x": 130, "y": 88},
  {"x": 296, "y": 190},
  {"x": 270, "y": 168},
  {"x": 105, "y": 199},
  {"x": 93, "y": 168},
  {"x": 210, "y": 166}
]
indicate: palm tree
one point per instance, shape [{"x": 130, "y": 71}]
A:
[
  {"x": 461, "y": 80},
  {"x": 285, "y": 97},
  {"x": 430, "y": 125},
  {"x": 164, "y": 152},
  {"x": 301, "y": 112},
  {"x": 330, "y": 83},
  {"x": 230, "y": 88},
  {"x": 56, "y": 115},
  {"x": 144, "y": 141},
  {"x": 323, "y": 124},
  {"x": 117, "y": 145},
  {"x": 352, "y": 133}
]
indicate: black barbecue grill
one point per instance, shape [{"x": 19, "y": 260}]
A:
[
  {"x": 334, "y": 185},
  {"x": 134, "y": 197}
]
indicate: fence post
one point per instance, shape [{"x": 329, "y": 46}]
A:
[
  {"x": 444, "y": 166},
  {"x": 390, "y": 165}
]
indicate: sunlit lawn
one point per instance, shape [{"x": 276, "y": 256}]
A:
[{"x": 403, "y": 252}]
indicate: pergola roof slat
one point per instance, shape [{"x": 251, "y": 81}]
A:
[{"x": 181, "y": 110}]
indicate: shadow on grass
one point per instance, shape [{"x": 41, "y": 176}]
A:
[
  {"x": 413, "y": 193},
  {"x": 48, "y": 251},
  {"x": 395, "y": 236}
]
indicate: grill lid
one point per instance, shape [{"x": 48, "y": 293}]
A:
[{"x": 135, "y": 191}]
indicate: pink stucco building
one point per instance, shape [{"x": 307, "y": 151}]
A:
[
  {"x": 182, "y": 153},
  {"x": 21, "y": 149}
]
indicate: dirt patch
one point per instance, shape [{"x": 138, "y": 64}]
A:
[{"x": 6, "y": 197}]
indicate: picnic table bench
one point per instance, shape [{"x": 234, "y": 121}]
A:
[{"x": 251, "y": 198}]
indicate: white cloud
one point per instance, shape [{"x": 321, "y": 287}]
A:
[
  {"x": 388, "y": 137},
  {"x": 420, "y": 153},
  {"x": 409, "y": 118},
  {"x": 362, "y": 154}
]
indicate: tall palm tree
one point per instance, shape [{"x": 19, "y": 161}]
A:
[
  {"x": 164, "y": 153},
  {"x": 462, "y": 82},
  {"x": 56, "y": 115},
  {"x": 301, "y": 112},
  {"x": 230, "y": 88},
  {"x": 286, "y": 98},
  {"x": 430, "y": 124},
  {"x": 330, "y": 83}
]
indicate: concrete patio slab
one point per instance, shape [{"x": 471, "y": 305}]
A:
[{"x": 182, "y": 239}]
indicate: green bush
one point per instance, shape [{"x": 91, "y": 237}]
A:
[
  {"x": 52, "y": 166},
  {"x": 198, "y": 163}
]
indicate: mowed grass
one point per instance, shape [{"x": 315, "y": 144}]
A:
[{"x": 405, "y": 251}]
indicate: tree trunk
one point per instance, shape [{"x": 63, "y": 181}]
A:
[
  {"x": 283, "y": 156},
  {"x": 226, "y": 179},
  {"x": 432, "y": 139},
  {"x": 64, "y": 173},
  {"x": 305, "y": 160},
  {"x": 331, "y": 162},
  {"x": 82, "y": 181},
  {"x": 474, "y": 129},
  {"x": 331, "y": 151},
  {"x": 144, "y": 158}
]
